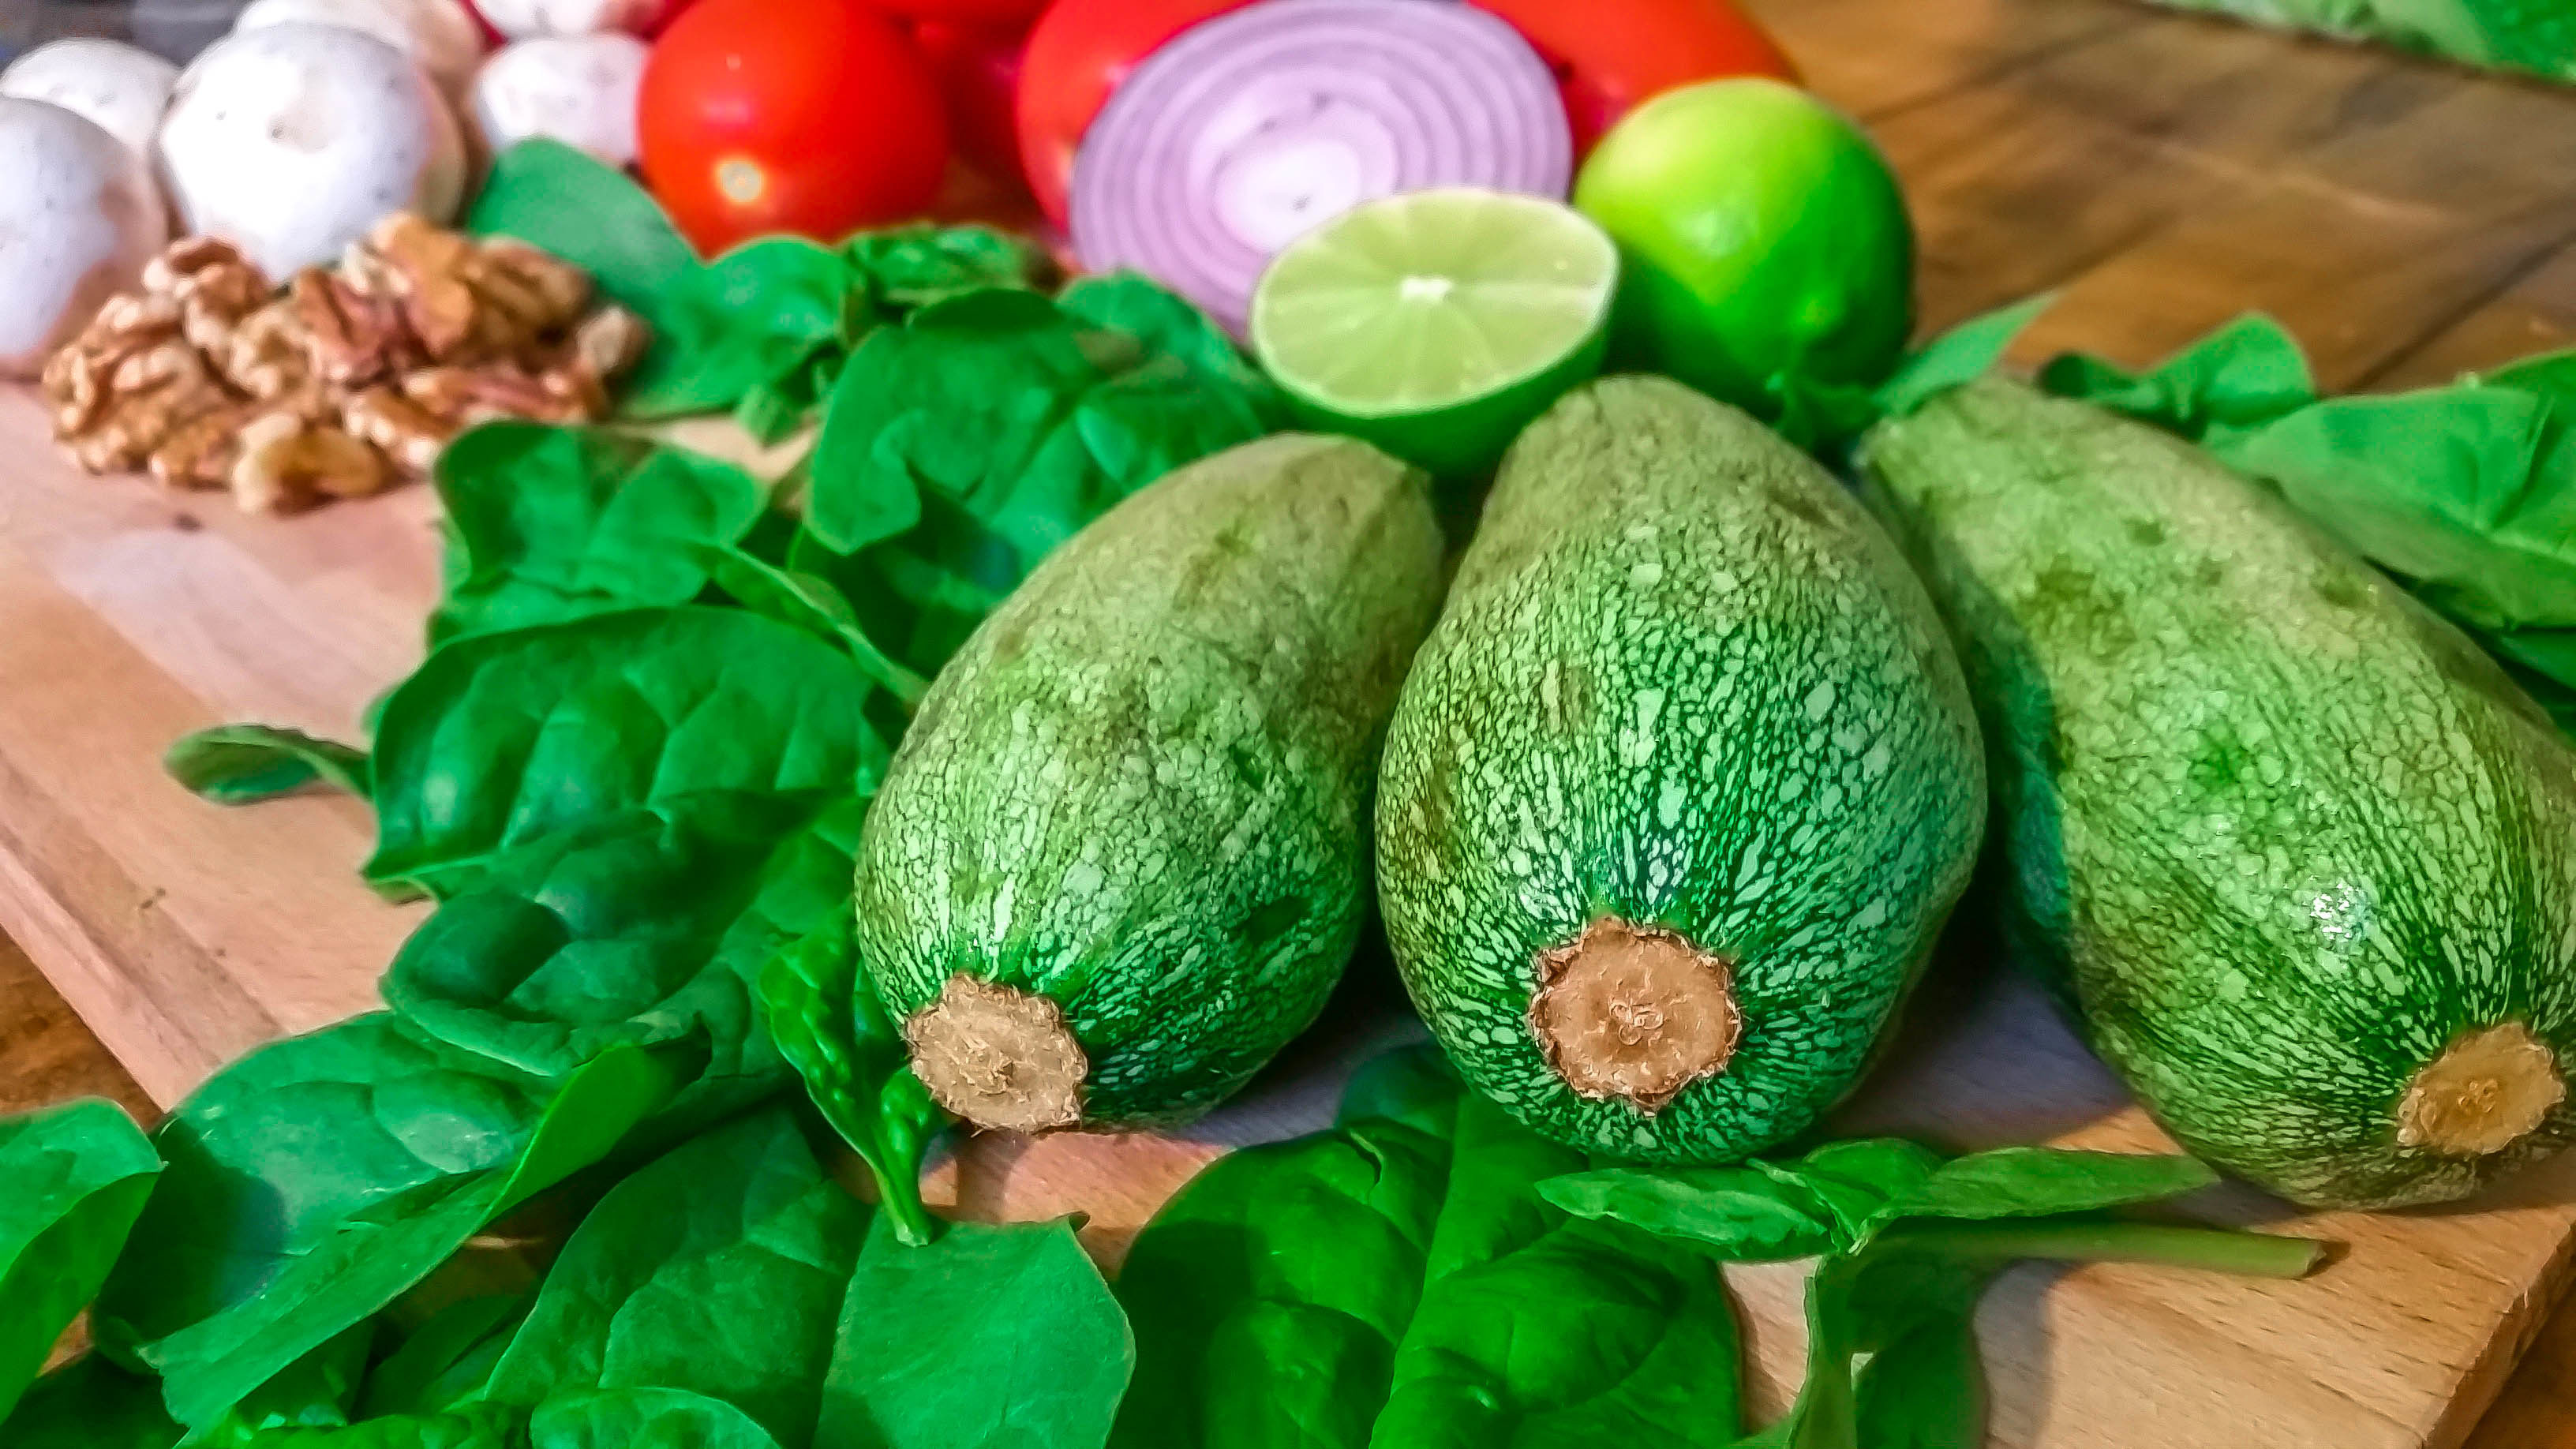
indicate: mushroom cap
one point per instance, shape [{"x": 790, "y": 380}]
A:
[
  {"x": 520, "y": 19},
  {"x": 440, "y": 34},
  {"x": 290, "y": 140},
  {"x": 123, "y": 88},
  {"x": 577, "y": 89},
  {"x": 79, "y": 216}
]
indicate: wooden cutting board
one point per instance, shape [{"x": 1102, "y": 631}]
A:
[{"x": 2406, "y": 220}]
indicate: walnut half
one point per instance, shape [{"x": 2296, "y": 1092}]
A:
[{"x": 350, "y": 379}]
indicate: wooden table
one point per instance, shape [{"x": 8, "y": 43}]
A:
[{"x": 2162, "y": 171}]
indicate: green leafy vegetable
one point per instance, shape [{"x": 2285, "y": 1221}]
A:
[
  {"x": 811, "y": 604},
  {"x": 474, "y": 1426},
  {"x": 90, "y": 1403},
  {"x": 318, "y": 1390},
  {"x": 502, "y": 738},
  {"x": 1822, "y": 415},
  {"x": 911, "y": 267},
  {"x": 244, "y": 763},
  {"x": 1396, "y": 1282},
  {"x": 750, "y": 317},
  {"x": 649, "y": 1418},
  {"x": 719, "y": 1269},
  {"x": 1910, "y": 1243},
  {"x": 445, "y": 1359},
  {"x": 548, "y": 524},
  {"x": 644, "y": 927},
  {"x": 827, "y": 1021},
  {"x": 2244, "y": 375},
  {"x": 959, "y": 448},
  {"x": 588, "y": 213},
  {"x": 72, "y": 1181},
  {"x": 313, "y": 1181},
  {"x": 991, "y": 1338}
]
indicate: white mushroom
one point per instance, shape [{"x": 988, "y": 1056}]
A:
[
  {"x": 440, "y": 34},
  {"x": 121, "y": 87},
  {"x": 79, "y": 216},
  {"x": 519, "y": 19},
  {"x": 291, "y": 140},
  {"x": 577, "y": 89}
]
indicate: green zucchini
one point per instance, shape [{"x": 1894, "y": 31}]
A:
[
  {"x": 1121, "y": 856},
  {"x": 1681, "y": 787},
  {"x": 2303, "y": 856}
]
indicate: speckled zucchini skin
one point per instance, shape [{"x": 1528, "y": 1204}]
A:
[
  {"x": 2286, "y": 833},
  {"x": 1142, "y": 787},
  {"x": 1681, "y": 679}
]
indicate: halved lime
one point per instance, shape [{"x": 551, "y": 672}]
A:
[{"x": 1436, "y": 324}]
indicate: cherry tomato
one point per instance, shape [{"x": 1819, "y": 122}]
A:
[
  {"x": 1611, "y": 54},
  {"x": 809, "y": 116},
  {"x": 978, "y": 68},
  {"x": 999, "y": 14},
  {"x": 1077, "y": 55}
]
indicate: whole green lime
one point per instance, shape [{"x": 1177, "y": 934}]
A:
[{"x": 1763, "y": 243}]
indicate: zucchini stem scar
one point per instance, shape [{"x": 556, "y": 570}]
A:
[
  {"x": 1634, "y": 1012},
  {"x": 2488, "y": 1089},
  {"x": 999, "y": 1057}
]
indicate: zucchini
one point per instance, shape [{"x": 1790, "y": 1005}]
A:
[
  {"x": 2302, "y": 855},
  {"x": 1681, "y": 787},
  {"x": 1121, "y": 856}
]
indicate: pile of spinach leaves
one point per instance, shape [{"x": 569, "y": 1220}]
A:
[
  {"x": 630, "y": 773},
  {"x": 2466, "y": 494}
]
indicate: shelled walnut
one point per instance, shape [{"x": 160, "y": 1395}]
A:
[{"x": 344, "y": 382}]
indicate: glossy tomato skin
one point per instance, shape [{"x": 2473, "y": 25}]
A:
[
  {"x": 978, "y": 71},
  {"x": 816, "y": 117},
  {"x": 1612, "y": 55},
  {"x": 997, "y": 14},
  {"x": 1077, "y": 55}
]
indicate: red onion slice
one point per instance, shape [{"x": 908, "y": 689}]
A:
[{"x": 1248, "y": 130}]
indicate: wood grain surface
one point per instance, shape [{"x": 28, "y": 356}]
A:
[{"x": 2159, "y": 172}]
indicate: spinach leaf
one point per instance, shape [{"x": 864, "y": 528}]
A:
[
  {"x": 719, "y": 1269},
  {"x": 549, "y": 523},
  {"x": 588, "y": 213},
  {"x": 447, "y": 1358},
  {"x": 811, "y": 604},
  {"x": 90, "y": 1403},
  {"x": 915, "y": 266},
  {"x": 748, "y": 319},
  {"x": 1130, "y": 303},
  {"x": 502, "y": 738},
  {"x": 1827, "y": 416},
  {"x": 960, "y": 447},
  {"x": 643, "y": 927},
  {"x": 644, "y": 1419},
  {"x": 1962, "y": 354},
  {"x": 1910, "y": 1243},
  {"x": 2246, "y": 374},
  {"x": 77, "y": 1176},
  {"x": 827, "y": 1021},
  {"x": 244, "y": 763},
  {"x": 1396, "y": 1282},
  {"x": 474, "y": 1426},
  {"x": 316, "y": 1391},
  {"x": 2467, "y": 492},
  {"x": 993, "y": 1337},
  {"x": 315, "y": 1180}
]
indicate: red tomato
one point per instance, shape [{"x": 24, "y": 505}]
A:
[
  {"x": 1001, "y": 14},
  {"x": 979, "y": 76},
  {"x": 808, "y": 116},
  {"x": 1077, "y": 55},
  {"x": 1611, "y": 54}
]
